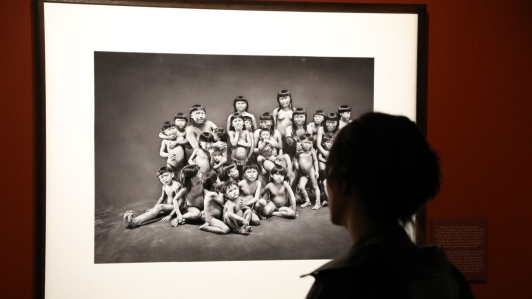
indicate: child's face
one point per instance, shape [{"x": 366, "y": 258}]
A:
[
  {"x": 198, "y": 116},
  {"x": 284, "y": 101},
  {"x": 166, "y": 178},
  {"x": 233, "y": 173},
  {"x": 232, "y": 192},
  {"x": 346, "y": 115},
  {"x": 180, "y": 123},
  {"x": 241, "y": 106},
  {"x": 217, "y": 158},
  {"x": 251, "y": 174},
  {"x": 331, "y": 125},
  {"x": 265, "y": 135},
  {"x": 267, "y": 124},
  {"x": 172, "y": 131},
  {"x": 306, "y": 144},
  {"x": 205, "y": 145},
  {"x": 299, "y": 119},
  {"x": 318, "y": 119},
  {"x": 238, "y": 123},
  {"x": 247, "y": 123},
  {"x": 327, "y": 145},
  {"x": 278, "y": 178}
]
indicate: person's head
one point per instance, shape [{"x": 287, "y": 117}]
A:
[
  {"x": 266, "y": 122},
  {"x": 264, "y": 134},
  {"x": 237, "y": 121},
  {"x": 217, "y": 155},
  {"x": 240, "y": 104},
  {"x": 230, "y": 190},
  {"x": 327, "y": 141},
  {"x": 290, "y": 146},
  {"x": 169, "y": 129},
  {"x": 251, "y": 171},
  {"x": 319, "y": 116},
  {"x": 187, "y": 174},
  {"x": 344, "y": 112},
  {"x": 248, "y": 123},
  {"x": 231, "y": 172},
  {"x": 205, "y": 140},
  {"x": 383, "y": 165},
  {"x": 331, "y": 123},
  {"x": 306, "y": 141},
  {"x": 198, "y": 114},
  {"x": 220, "y": 134},
  {"x": 278, "y": 174},
  {"x": 165, "y": 175},
  {"x": 284, "y": 98},
  {"x": 180, "y": 120},
  {"x": 299, "y": 118},
  {"x": 209, "y": 180}
]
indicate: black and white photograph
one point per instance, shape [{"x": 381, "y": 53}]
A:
[{"x": 219, "y": 157}]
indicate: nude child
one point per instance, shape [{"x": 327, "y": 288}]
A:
[
  {"x": 250, "y": 190},
  {"x": 202, "y": 155},
  {"x": 236, "y": 214},
  {"x": 307, "y": 163},
  {"x": 175, "y": 154},
  {"x": 214, "y": 203},
  {"x": 282, "y": 202},
  {"x": 190, "y": 195}
]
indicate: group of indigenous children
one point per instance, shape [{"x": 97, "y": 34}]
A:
[{"x": 236, "y": 177}]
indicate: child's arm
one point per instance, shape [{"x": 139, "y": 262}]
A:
[
  {"x": 318, "y": 141},
  {"x": 163, "y": 151},
  {"x": 164, "y": 136},
  {"x": 191, "y": 137},
  {"x": 193, "y": 156},
  {"x": 251, "y": 145},
  {"x": 245, "y": 142},
  {"x": 266, "y": 189},
  {"x": 291, "y": 195},
  {"x": 222, "y": 162},
  {"x": 233, "y": 137},
  {"x": 160, "y": 198},
  {"x": 316, "y": 165},
  {"x": 321, "y": 158},
  {"x": 178, "y": 199},
  {"x": 253, "y": 121},
  {"x": 256, "y": 197}
]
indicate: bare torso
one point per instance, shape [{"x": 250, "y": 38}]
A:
[
  {"x": 278, "y": 194},
  {"x": 202, "y": 160},
  {"x": 284, "y": 119},
  {"x": 248, "y": 189},
  {"x": 213, "y": 205},
  {"x": 195, "y": 195},
  {"x": 306, "y": 162},
  {"x": 170, "y": 191},
  {"x": 240, "y": 152}
]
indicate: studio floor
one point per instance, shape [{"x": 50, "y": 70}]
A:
[{"x": 310, "y": 236}]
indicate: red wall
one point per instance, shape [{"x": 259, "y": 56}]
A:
[{"x": 478, "y": 119}]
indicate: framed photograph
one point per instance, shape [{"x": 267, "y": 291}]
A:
[{"x": 181, "y": 144}]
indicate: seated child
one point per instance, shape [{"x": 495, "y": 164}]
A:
[
  {"x": 190, "y": 196},
  {"x": 169, "y": 190},
  {"x": 307, "y": 163},
  {"x": 250, "y": 190},
  {"x": 213, "y": 202},
  {"x": 175, "y": 154},
  {"x": 201, "y": 155},
  {"x": 266, "y": 150},
  {"x": 282, "y": 202},
  {"x": 236, "y": 214}
]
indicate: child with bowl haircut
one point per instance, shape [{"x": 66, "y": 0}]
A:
[
  {"x": 175, "y": 154},
  {"x": 307, "y": 163},
  {"x": 282, "y": 202},
  {"x": 318, "y": 118},
  {"x": 344, "y": 112},
  {"x": 236, "y": 214},
  {"x": 169, "y": 190},
  {"x": 250, "y": 189}
]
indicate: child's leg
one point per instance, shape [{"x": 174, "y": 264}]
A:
[
  {"x": 285, "y": 212},
  {"x": 259, "y": 208},
  {"x": 260, "y": 161},
  {"x": 192, "y": 213},
  {"x": 216, "y": 226},
  {"x": 301, "y": 185},
  {"x": 267, "y": 210},
  {"x": 131, "y": 222},
  {"x": 316, "y": 188}
]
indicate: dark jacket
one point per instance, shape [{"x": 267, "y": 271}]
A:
[{"x": 388, "y": 271}]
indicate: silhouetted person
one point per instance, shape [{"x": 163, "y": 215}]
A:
[{"x": 380, "y": 171}]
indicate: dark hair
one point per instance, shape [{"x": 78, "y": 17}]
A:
[
  {"x": 188, "y": 172},
  {"x": 268, "y": 116},
  {"x": 225, "y": 171},
  {"x": 221, "y": 133},
  {"x": 320, "y": 112},
  {"x": 164, "y": 169},
  {"x": 245, "y": 118},
  {"x": 326, "y": 137},
  {"x": 289, "y": 146},
  {"x": 240, "y": 99},
  {"x": 206, "y": 137},
  {"x": 209, "y": 181},
  {"x": 226, "y": 186},
  {"x": 235, "y": 115},
  {"x": 306, "y": 136},
  {"x": 278, "y": 169},
  {"x": 331, "y": 117},
  {"x": 299, "y": 111},
  {"x": 167, "y": 125},
  {"x": 263, "y": 130},
  {"x": 195, "y": 108},
  {"x": 284, "y": 93},
  {"x": 181, "y": 115},
  {"x": 250, "y": 166},
  {"x": 386, "y": 161},
  {"x": 343, "y": 108}
]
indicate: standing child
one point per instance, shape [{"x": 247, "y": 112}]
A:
[
  {"x": 248, "y": 125},
  {"x": 344, "y": 112},
  {"x": 250, "y": 189},
  {"x": 169, "y": 190},
  {"x": 282, "y": 202},
  {"x": 175, "y": 155},
  {"x": 319, "y": 116},
  {"x": 326, "y": 144},
  {"x": 201, "y": 155},
  {"x": 236, "y": 214},
  {"x": 180, "y": 137},
  {"x": 307, "y": 163}
]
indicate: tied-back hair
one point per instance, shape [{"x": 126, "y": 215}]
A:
[
  {"x": 284, "y": 93},
  {"x": 343, "y": 108},
  {"x": 268, "y": 116},
  {"x": 210, "y": 181},
  {"x": 387, "y": 163},
  {"x": 241, "y": 99},
  {"x": 278, "y": 169},
  {"x": 290, "y": 146},
  {"x": 331, "y": 117},
  {"x": 187, "y": 174},
  {"x": 167, "y": 125},
  {"x": 299, "y": 111}
]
